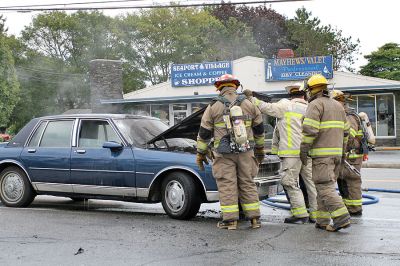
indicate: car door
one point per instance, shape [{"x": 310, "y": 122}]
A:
[
  {"x": 98, "y": 170},
  {"x": 47, "y": 155}
]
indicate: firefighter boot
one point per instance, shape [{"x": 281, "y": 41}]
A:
[
  {"x": 255, "y": 223},
  {"x": 321, "y": 226},
  {"x": 296, "y": 220},
  {"x": 337, "y": 227},
  {"x": 230, "y": 225}
]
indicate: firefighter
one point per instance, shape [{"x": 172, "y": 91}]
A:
[
  {"x": 349, "y": 182},
  {"x": 237, "y": 129},
  {"x": 290, "y": 114},
  {"x": 325, "y": 134}
]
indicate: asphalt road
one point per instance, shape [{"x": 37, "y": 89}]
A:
[{"x": 58, "y": 231}]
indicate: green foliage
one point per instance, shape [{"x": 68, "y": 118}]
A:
[
  {"x": 267, "y": 26},
  {"x": 383, "y": 63},
  {"x": 9, "y": 86},
  {"x": 160, "y": 37},
  {"x": 309, "y": 38}
]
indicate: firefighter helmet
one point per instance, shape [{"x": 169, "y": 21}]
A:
[
  {"x": 293, "y": 88},
  {"x": 341, "y": 96},
  {"x": 338, "y": 95},
  {"x": 315, "y": 84},
  {"x": 227, "y": 80}
]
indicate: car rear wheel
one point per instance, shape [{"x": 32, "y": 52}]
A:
[
  {"x": 180, "y": 196},
  {"x": 15, "y": 188}
]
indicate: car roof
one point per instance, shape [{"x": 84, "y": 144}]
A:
[{"x": 112, "y": 116}]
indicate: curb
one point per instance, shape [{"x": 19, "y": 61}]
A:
[{"x": 381, "y": 165}]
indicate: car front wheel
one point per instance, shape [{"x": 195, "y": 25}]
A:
[
  {"x": 15, "y": 188},
  {"x": 180, "y": 196}
]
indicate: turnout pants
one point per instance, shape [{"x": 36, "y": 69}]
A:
[
  {"x": 350, "y": 186},
  {"x": 290, "y": 180},
  {"x": 325, "y": 171},
  {"x": 306, "y": 175},
  {"x": 234, "y": 175}
]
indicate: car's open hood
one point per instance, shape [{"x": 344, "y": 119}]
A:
[{"x": 187, "y": 128}]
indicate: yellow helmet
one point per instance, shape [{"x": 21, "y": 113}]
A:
[
  {"x": 338, "y": 95},
  {"x": 316, "y": 80}
]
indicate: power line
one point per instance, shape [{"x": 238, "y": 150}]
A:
[
  {"x": 147, "y": 6},
  {"x": 72, "y": 4}
]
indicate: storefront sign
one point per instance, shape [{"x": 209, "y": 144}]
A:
[
  {"x": 298, "y": 68},
  {"x": 198, "y": 74}
]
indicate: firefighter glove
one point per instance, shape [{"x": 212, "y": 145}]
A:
[
  {"x": 248, "y": 93},
  {"x": 303, "y": 157},
  {"x": 259, "y": 153},
  {"x": 200, "y": 158}
]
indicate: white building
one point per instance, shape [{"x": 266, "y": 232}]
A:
[{"x": 377, "y": 97}]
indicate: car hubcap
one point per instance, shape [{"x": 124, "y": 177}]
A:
[
  {"x": 12, "y": 187},
  {"x": 175, "y": 195}
]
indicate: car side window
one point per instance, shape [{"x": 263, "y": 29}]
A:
[
  {"x": 36, "y": 136},
  {"x": 93, "y": 134},
  {"x": 57, "y": 134}
]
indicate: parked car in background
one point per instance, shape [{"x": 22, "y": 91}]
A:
[{"x": 116, "y": 157}]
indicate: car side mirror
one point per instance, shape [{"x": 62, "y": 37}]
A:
[{"x": 112, "y": 145}]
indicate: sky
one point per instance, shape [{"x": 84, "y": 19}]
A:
[{"x": 374, "y": 23}]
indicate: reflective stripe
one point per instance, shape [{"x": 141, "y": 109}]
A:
[
  {"x": 257, "y": 102},
  {"x": 339, "y": 212},
  {"x": 354, "y": 156},
  {"x": 353, "y": 133},
  {"x": 288, "y": 117},
  {"x": 308, "y": 140},
  {"x": 259, "y": 141},
  {"x": 347, "y": 126},
  {"x": 325, "y": 151},
  {"x": 298, "y": 211},
  {"x": 360, "y": 133},
  {"x": 311, "y": 122},
  {"x": 349, "y": 202},
  {"x": 274, "y": 150},
  {"x": 251, "y": 206},
  {"x": 313, "y": 215},
  {"x": 220, "y": 124},
  {"x": 230, "y": 208},
  {"x": 216, "y": 143},
  {"x": 331, "y": 124},
  {"x": 288, "y": 152},
  {"x": 346, "y": 139},
  {"x": 323, "y": 215},
  {"x": 201, "y": 145},
  {"x": 247, "y": 123}
]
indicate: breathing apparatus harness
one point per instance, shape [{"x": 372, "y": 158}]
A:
[
  {"x": 236, "y": 141},
  {"x": 365, "y": 145}
]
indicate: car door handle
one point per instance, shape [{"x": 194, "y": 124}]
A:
[
  {"x": 80, "y": 151},
  {"x": 31, "y": 150}
]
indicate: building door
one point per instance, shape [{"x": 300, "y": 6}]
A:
[{"x": 178, "y": 112}]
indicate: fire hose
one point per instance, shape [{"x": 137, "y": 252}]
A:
[{"x": 283, "y": 203}]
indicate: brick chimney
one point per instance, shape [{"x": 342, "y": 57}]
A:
[{"x": 105, "y": 84}]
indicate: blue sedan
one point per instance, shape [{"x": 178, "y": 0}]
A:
[{"x": 110, "y": 156}]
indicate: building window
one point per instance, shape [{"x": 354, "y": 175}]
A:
[
  {"x": 380, "y": 109},
  {"x": 197, "y": 106},
  {"x": 161, "y": 111},
  {"x": 385, "y": 115}
]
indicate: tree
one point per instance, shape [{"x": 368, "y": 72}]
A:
[
  {"x": 268, "y": 27},
  {"x": 9, "y": 86},
  {"x": 383, "y": 63},
  {"x": 309, "y": 38},
  {"x": 164, "y": 36}
]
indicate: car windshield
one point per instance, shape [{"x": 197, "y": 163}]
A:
[{"x": 138, "y": 131}]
